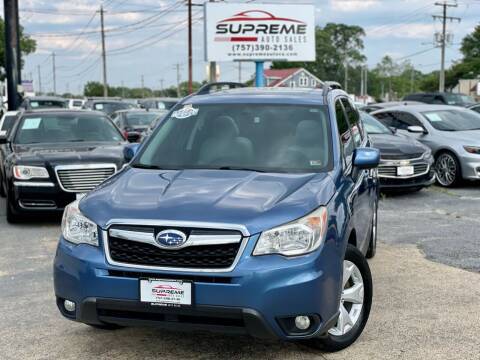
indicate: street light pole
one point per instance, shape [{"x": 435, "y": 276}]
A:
[
  {"x": 104, "y": 54},
  {"x": 12, "y": 52},
  {"x": 190, "y": 55}
]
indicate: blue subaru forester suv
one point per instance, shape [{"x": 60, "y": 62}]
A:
[{"x": 246, "y": 211}]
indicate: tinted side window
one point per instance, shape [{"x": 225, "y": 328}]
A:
[
  {"x": 404, "y": 120},
  {"x": 386, "y": 119},
  {"x": 345, "y": 133},
  {"x": 354, "y": 120}
]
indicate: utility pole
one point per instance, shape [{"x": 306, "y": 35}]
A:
[
  {"x": 346, "y": 76},
  {"x": 123, "y": 89},
  {"x": 178, "y": 80},
  {"x": 443, "y": 38},
  {"x": 12, "y": 52},
  {"x": 104, "y": 54},
  {"x": 161, "y": 87},
  {"x": 143, "y": 86},
  {"x": 39, "y": 80},
  {"x": 54, "y": 70},
  {"x": 239, "y": 71},
  {"x": 366, "y": 80},
  {"x": 190, "y": 51},
  {"x": 412, "y": 79},
  {"x": 362, "y": 81}
]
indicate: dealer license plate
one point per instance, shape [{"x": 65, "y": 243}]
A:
[
  {"x": 166, "y": 292},
  {"x": 405, "y": 170}
]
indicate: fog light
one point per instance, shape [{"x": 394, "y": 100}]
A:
[
  {"x": 69, "y": 305},
  {"x": 302, "y": 322}
]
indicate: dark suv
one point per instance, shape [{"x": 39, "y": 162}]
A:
[{"x": 441, "y": 98}]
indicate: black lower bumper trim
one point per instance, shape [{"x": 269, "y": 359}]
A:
[{"x": 206, "y": 318}]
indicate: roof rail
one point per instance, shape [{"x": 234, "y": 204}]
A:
[
  {"x": 219, "y": 86},
  {"x": 326, "y": 89}
]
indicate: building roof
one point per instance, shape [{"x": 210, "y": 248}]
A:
[{"x": 279, "y": 75}]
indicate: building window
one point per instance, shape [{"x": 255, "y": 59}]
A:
[
  {"x": 314, "y": 83},
  {"x": 292, "y": 84},
  {"x": 303, "y": 82}
]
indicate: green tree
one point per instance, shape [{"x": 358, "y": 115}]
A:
[
  {"x": 336, "y": 46},
  {"x": 27, "y": 46},
  {"x": 471, "y": 45},
  {"x": 93, "y": 88}
]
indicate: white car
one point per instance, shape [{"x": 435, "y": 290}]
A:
[{"x": 76, "y": 104}]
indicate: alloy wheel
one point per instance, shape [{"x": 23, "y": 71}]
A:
[
  {"x": 446, "y": 169},
  {"x": 351, "y": 301}
]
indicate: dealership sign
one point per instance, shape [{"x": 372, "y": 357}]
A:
[{"x": 259, "y": 32}]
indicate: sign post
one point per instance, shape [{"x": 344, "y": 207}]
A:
[
  {"x": 259, "y": 33},
  {"x": 259, "y": 75}
]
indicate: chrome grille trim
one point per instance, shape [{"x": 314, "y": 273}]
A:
[
  {"x": 389, "y": 170},
  {"x": 174, "y": 269},
  {"x": 83, "y": 177},
  {"x": 193, "y": 240}
]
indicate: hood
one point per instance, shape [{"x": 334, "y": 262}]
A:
[
  {"x": 396, "y": 146},
  {"x": 69, "y": 153},
  {"x": 258, "y": 201}
]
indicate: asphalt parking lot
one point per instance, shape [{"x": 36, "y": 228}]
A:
[{"x": 426, "y": 300}]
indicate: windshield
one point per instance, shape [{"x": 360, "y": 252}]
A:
[
  {"x": 111, "y": 107},
  {"x": 59, "y": 128},
  {"x": 50, "y": 104},
  {"x": 373, "y": 126},
  {"x": 453, "y": 120},
  {"x": 272, "y": 138},
  {"x": 458, "y": 99},
  {"x": 140, "y": 118}
]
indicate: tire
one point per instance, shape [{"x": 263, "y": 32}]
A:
[
  {"x": 334, "y": 339},
  {"x": 372, "y": 246},
  {"x": 2, "y": 188},
  {"x": 447, "y": 169},
  {"x": 12, "y": 217}
]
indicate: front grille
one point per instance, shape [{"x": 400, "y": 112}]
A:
[
  {"x": 195, "y": 257},
  {"x": 401, "y": 156},
  {"x": 83, "y": 178},
  {"x": 391, "y": 170},
  {"x": 37, "y": 204}
]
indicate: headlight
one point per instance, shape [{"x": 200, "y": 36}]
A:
[
  {"x": 297, "y": 238},
  {"x": 76, "y": 228},
  {"x": 22, "y": 172},
  {"x": 472, "y": 149}
]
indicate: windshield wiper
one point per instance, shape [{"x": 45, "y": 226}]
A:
[
  {"x": 239, "y": 168},
  {"x": 147, "y": 166}
]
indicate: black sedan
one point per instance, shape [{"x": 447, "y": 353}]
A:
[
  {"x": 52, "y": 157},
  {"x": 136, "y": 122},
  {"x": 405, "y": 163}
]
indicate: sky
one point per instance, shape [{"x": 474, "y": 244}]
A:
[{"x": 149, "y": 37}]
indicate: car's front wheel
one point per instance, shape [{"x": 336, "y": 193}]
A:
[
  {"x": 355, "y": 304},
  {"x": 447, "y": 169}
]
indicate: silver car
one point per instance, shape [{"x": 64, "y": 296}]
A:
[{"x": 453, "y": 134}]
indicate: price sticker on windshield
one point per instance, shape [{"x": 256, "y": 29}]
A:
[{"x": 186, "y": 112}]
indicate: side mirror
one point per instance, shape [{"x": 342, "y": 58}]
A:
[
  {"x": 394, "y": 129},
  {"x": 3, "y": 138},
  {"x": 130, "y": 151},
  {"x": 416, "y": 130},
  {"x": 366, "y": 158},
  {"x": 133, "y": 136}
]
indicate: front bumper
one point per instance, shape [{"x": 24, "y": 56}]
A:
[
  {"x": 470, "y": 165},
  {"x": 406, "y": 183},
  {"x": 258, "y": 297},
  {"x": 28, "y": 197}
]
